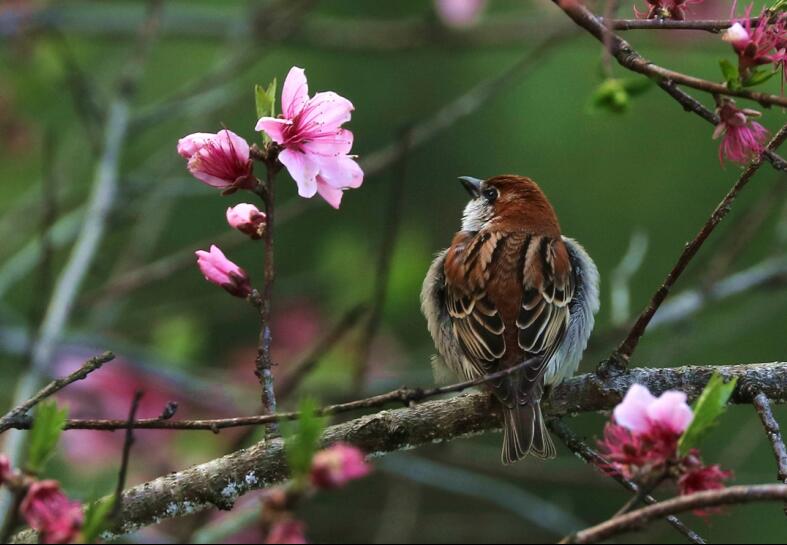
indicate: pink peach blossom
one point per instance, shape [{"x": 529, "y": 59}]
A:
[
  {"x": 219, "y": 160},
  {"x": 760, "y": 44},
  {"x": 641, "y": 412},
  {"x": 6, "y": 472},
  {"x": 315, "y": 149},
  {"x": 247, "y": 219},
  {"x": 50, "y": 512},
  {"x": 459, "y": 13},
  {"x": 287, "y": 531},
  {"x": 219, "y": 270},
  {"x": 697, "y": 477},
  {"x": 743, "y": 139},
  {"x": 337, "y": 465}
]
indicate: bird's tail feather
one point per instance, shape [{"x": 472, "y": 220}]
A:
[{"x": 524, "y": 432}]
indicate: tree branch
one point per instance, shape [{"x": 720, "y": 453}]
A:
[
  {"x": 763, "y": 406},
  {"x": 93, "y": 364},
  {"x": 620, "y": 357},
  {"x": 220, "y": 482},
  {"x": 681, "y": 504},
  {"x": 632, "y": 60}
]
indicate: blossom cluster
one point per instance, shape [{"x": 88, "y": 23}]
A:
[
  {"x": 45, "y": 507},
  {"x": 641, "y": 442}
]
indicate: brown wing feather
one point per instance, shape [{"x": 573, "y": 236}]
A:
[{"x": 543, "y": 316}]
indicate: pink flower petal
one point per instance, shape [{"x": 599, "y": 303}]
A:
[
  {"x": 273, "y": 127},
  {"x": 341, "y": 172},
  {"x": 631, "y": 413},
  {"x": 671, "y": 411},
  {"x": 294, "y": 93},
  {"x": 331, "y": 195},
  {"x": 302, "y": 169}
]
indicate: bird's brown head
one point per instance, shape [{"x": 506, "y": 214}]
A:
[{"x": 509, "y": 202}]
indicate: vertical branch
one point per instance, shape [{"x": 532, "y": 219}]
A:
[
  {"x": 763, "y": 406},
  {"x": 117, "y": 504},
  {"x": 264, "y": 361}
]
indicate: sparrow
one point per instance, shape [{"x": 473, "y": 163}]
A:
[{"x": 511, "y": 289}]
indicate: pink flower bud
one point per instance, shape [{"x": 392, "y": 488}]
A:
[
  {"x": 459, "y": 13},
  {"x": 737, "y": 36},
  {"x": 335, "y": 466},
  {"x": 5, "y": 469},
  {"x": 247, "y": 219},
  {"x": 48, "y": 511},
  {"x": 287, "y": 531},
  {"x": 219, "y": 270},
  {"x": 219, "y": 160}
]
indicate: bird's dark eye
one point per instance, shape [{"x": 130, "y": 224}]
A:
[{"x": 490, "y": 194}]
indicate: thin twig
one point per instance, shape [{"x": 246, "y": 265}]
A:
[
  {"x": 630, "y": 59},
  {"x": 707, "y": 25},
  {"x": 91, "y": 365},
  {"x": 620, "y": 357},
  {"x": 117, "y": 504},
  {"x": 590, "y": 456},
  {"x": 699, "y": 501},
  {"x": 763, "y": 406},
  {"x": 403, "y": 395},
  {"x": 633, "y": 61}
]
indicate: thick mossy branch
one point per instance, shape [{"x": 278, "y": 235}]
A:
[{"x": 220, "y": 482}]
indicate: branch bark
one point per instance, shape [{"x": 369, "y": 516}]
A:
[
  {"x": 219, "y": 482},
  {"x": 681, "y": 504}
]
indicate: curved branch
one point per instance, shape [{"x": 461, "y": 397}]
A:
[
  {"x": 220, "y": 482},
  {"x": 700, "y": 500}
]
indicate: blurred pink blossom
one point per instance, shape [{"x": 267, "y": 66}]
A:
[
  {"x": 50, "y": 512},
  {"x": 459, "y": 13},
  {"x": 222, "y": 272},
  {"x": 287, "y": 531},
  {"x": 247, "y": 219},
  {"x": 5, "y": 469},
  {"x": 107, "y": 393},
  {"x": 315, "y": 147},
  {"x": 743, "y": 138},
  {"x": 640, "y": 412},
  {"x": 337, "y": 465},
  {"x": 219, "y": 160}
]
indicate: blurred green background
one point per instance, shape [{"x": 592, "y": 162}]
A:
[{"x": 652, "y": 170}]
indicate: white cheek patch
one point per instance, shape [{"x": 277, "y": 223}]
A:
[{"x": 477, "y": 213}]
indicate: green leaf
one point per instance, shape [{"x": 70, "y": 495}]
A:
[
  {"x": 707, "y": 410},
  {"x": 731, "y": 74},
  {"x": 611, "y": 95},
  {"x": 301, "y": 439},
  {"x": 47, "y": 427},
  {"x": 758, "y": 77},
  {"x": 97, "y": 519},
  {"x": 265, "y": 99}
]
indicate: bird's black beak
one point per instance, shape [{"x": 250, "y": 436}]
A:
[{"x": 472, "y": 185}]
